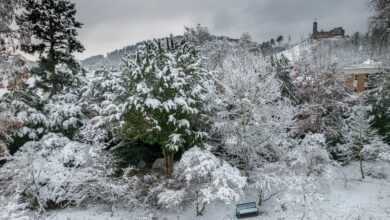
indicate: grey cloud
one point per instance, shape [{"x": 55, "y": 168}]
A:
[{"x": 112, "y": 24}]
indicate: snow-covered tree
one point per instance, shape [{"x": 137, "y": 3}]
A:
[
  {"x": 283, "y": 69},
  {"x": 39, "y": 114},
  {"x": 8, "y": 36},
  {"x": 252, "y": 118},
  {"x": 360, "y": 129},
  {"x": 8, "y": 11},
  {"x": 359, "y": 123},
  {"x": 167, "y": 103},
  {"x": 104, "y": 101},
  {"x": 53, "y": 29},
  {"x": 205, "y": 179},
  {"x": 380, "y": 23},
  {"x": 379, "y": 99},
  {"x": 325, "y": 101},
  {"x": 197, "y": 35}
]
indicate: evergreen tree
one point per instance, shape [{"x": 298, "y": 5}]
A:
[
  {"x": 380, "y": 23},
  {"x": 360, "y": 132},
  {"x": 53, "y": 30},
  {"x": 167, "y": 90},
  {"x": 380, "y": 101},
  {"x": 272, "y": 41},
  {"x": 282, "y": 68},
  {"x": 280, "y": 39}
]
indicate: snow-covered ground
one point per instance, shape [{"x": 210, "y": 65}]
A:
[{"x": 345, "y": 197}]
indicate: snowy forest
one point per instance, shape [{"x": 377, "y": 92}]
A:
[{"x": 188, "y": 126}]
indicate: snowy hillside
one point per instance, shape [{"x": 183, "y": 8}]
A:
[{"x": 340, "y": 51}]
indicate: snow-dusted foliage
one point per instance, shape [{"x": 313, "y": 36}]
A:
[
  {"x": 168, "y": 92},
  {"x": 310, "y": 156},
  {"x": 281, "y": 123},
  {"x": 7, "y": 126},
  {"x": 295, "y": 181},
  {"x": 198, "y": 35},
  {"x": 64, "y": 114},
  {"x": 252, "y": 118},
  {"x": 379, "y": 24},
  {"x": 325, "y": 104},
  {"x": 40, "y": 113},
  {"x": 359, "y": 127},
  {"x": 379, "y": 100},
  {"x": 376, "y": 149},
  {"x": 104, "y": 99},
  {"x": 204, "y": 178},
  {"x": 57, "y": 172}
]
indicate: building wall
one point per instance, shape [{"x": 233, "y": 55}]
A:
[
  {"x": 357, "y": 82},
  {"x": 323, "y": 35}
]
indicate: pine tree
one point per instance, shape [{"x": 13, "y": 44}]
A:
[
  {"x": 361, "y": 132},
  {"x": 279, "y": 39},
  {"x": 167, "y": 99},
  {"x": 53, "y": 30},
  {"x": 282, "y": 69},
  {"x": 366, "y": 143},
  {"x": 379, "y": 99}
]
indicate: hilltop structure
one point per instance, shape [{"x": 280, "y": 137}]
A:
[{"x": 336, "y": 32}]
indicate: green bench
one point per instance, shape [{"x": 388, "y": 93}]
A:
[{"x": 247, "y": 210}]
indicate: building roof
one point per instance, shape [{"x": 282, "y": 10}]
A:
[{"x": 367, "y": 67}]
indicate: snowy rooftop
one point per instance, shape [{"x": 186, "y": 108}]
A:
[{"x": 369, "y": 67}]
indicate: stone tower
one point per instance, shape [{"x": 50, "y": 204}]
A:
[{"x": 315, "y": 27}]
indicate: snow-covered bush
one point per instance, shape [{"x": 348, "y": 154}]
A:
[
  {"x": 201, "y": 176},
  {"x": 376, "y": 149},
  {"x": 285, "y": 188},
  {"x": 310, "y": 156},
  {"x": 7, "y": 126},
  {"x": 57, "y": 172},
  {"x": 64, "y": 114},
  {"x": 385, "y": 156}
]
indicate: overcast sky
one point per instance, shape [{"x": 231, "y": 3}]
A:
[{"x": 113, "y": 24}]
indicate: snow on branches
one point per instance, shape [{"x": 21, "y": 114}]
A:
[
  {"x": 168, "y": 91},
  {"x": 252, "y": 118},
  {"x": 205, "y": 178},
  {"x": 57, "y": 172}
]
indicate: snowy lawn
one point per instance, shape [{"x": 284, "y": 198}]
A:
[{"x": 346, "y": 197}]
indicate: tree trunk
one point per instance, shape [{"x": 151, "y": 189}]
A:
[
  {"x": 361, "y": 165},
  {"x": 169, "y": 161}
]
